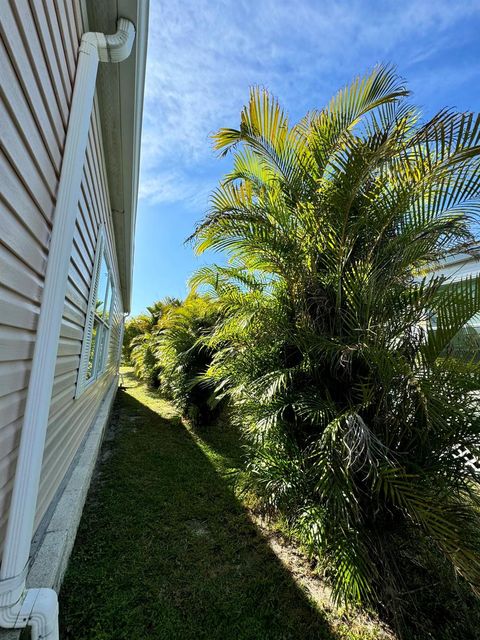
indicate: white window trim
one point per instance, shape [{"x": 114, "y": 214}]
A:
[{"x": 82, "y": 381}]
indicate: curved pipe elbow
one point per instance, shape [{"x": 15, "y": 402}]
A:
[
  {"x": 111, "y": 48},
  {"x": 38, "y": 609}
]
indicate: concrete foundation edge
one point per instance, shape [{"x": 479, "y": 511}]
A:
[{"x": 51, "y": 557}]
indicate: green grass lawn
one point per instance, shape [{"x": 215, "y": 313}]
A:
[{"x": 166, "y": 550}]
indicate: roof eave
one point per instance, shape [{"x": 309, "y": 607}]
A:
[{"x": 120, "y": 90}]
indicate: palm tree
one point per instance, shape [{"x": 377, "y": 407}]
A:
[
  {"x": 167, "y": 350},
  {"x": 141, "y": 339},
  {"x": 184, "y": 357},
  {"x": 351, "y": 404},
  {"x": 158, "y": 309},
  {"x": 135, "y": 326}
]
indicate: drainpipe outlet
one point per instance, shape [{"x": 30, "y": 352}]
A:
[{"x": 36, "y": 608}]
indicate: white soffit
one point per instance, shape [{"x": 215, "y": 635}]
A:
[{"x": 120, "y": 89}]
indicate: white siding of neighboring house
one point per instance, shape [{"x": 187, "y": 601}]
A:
[{"x": 38, "y": 52}]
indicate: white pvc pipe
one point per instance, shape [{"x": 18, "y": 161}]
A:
[{"x": 14, "y": 598}]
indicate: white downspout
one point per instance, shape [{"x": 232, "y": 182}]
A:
[{"x": 38, "y": 608}]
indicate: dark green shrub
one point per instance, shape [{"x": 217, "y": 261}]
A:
[{"x": 184, "y": 358}]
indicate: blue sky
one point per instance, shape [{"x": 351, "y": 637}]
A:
[{"x": 205, "y": 54}]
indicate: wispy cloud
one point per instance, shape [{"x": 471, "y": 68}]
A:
[
  {"x": 204, "y": 55},
  {"x": 166, "y": 187}
]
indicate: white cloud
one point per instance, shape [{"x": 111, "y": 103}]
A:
[
  {"x": 204, "y": 54},
  {"x": 167, "y": 187}
]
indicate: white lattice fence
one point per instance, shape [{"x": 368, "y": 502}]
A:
[{"x": 469, "y": 458}]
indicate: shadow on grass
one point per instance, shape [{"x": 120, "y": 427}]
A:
[{"x": 164, "y": 549}]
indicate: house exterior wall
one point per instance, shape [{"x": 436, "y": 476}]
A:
[
  {"x": 457, "y": 269},
  {"x": 38, "y": 51}
]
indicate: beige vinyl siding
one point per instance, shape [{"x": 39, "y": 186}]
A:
[{"x": 38, "y": 50}]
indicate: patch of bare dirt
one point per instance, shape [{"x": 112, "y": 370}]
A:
[{"x": 348, "y": 624}]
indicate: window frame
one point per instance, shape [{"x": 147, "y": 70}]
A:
[{"x": 100, "y": 320}]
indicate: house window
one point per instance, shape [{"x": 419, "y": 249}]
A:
[{"x": 98, "y": 324}]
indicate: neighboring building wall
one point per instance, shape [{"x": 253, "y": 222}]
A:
[
  {"x": 37, "y": 64},
  {"x": 459, "y": 268}
]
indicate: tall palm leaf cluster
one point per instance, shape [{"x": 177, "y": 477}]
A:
[
  {"x": 183, "y": 357},
  {"x": 134, "y": 327},
  {"x": 168, "y": 352},
  {"x": 334, "y": 330},
  {"x": 140, "y": 341}
]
